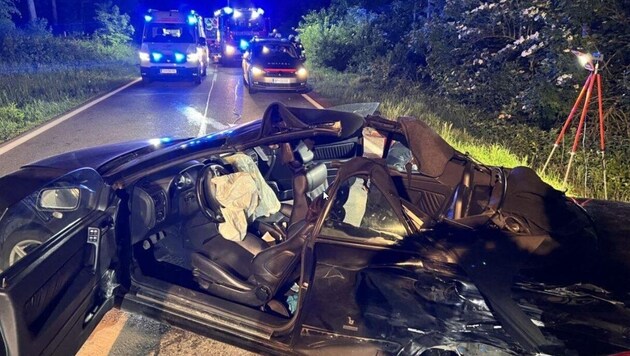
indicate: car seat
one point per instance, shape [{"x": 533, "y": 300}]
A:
[{"x": 252, "y": 276}]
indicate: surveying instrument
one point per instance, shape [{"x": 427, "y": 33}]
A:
[{"x": 590, "y": 62}]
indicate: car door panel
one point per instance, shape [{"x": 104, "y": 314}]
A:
[
  {"x": 53, "y": 298},
  {"x": 427, "y": 194}
]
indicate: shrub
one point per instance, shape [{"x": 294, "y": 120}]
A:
[{"x": 114, "y": 27}]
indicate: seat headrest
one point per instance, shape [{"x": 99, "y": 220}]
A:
[
  {"x": 316, "y": 176},
  {"x": 305, "y": 153}
]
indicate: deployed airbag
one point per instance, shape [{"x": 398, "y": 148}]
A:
[
  {"x": 243, "y": 196},
  {"x": 238, "y": 195},
  {"x": 268, "y": 203}
]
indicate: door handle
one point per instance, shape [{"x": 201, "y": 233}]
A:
[{"x": 94, "y": 240}]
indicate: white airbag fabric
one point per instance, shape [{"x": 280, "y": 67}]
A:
[
  {"x": 244, "y": 196},
  {"x": 268, "y": 203}
]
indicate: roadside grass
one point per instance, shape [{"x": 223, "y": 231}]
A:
[
  {"x": 44, "y": 76},
  {"x": 28, "y": 100},
  {"x": 485, "y": 139}
]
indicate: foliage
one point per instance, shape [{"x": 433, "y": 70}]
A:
[
  {"x": 8, "y": 9},
  {"x": 494, "y": 142},
  {"x": 509, "y": 58},
  {"x": 341, "y": 40},
  {"x": 114, "y": 27},
  {"x": 506, "y": 64},
  {"x": 42, "y": 75}
]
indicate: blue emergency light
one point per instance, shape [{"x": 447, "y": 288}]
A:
[
  {"x": 192, "y": 19},
  {"x": 243, "y": 44},
  {"x": 228, "y": 10},
  {"x": 179, "y": 57},
  {"x": 148, "y": 18}
]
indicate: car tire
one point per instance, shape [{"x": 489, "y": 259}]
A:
[{"x": 18, "y": 244}]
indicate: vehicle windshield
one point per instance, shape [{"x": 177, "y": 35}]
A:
[
  {"x": 175, "y": 33},
  {"x": 271, "y": 49},
  {"x": 245, "y": 23}
]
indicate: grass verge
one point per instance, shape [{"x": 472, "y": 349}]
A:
[
  {"x": 485, "y": 139},
  {"x": 28, "y": 99}
]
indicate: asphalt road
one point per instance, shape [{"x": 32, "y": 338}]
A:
[
  {"x": 159, "y": 109},
  {"x": 122, "y": 334}
]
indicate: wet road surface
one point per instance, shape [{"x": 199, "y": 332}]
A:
[{"x": 159, "y": 109}]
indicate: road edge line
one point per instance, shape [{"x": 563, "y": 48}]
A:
[
  {"x": 28, "y": 135},
  {"x": 312, "y": 101}
]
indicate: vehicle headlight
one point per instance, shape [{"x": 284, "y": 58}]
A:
[
  {"x": 230, "y": 50},
  {"x": 257, "y": 71},
  {"x": 192, "y": 57},
  {"x": 144, "y": 56},
  {"x": 195, "y": 56},
  {"x": 302, "y": 72}
]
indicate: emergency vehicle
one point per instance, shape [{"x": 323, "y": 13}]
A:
[
  {"x": 173, "y": 45},
  {"x": 231, "y": 31}
]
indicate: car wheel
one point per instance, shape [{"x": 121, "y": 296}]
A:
[{"x": 18, "y": 245}]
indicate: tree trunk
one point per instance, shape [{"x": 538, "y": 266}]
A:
[
  {"x": 55, "y": 19},
  {"x": 31, "y": 10}
]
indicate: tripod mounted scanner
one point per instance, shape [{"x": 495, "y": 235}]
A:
[{"x": 591, "y": 63}]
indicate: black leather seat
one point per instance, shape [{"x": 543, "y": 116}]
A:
[
  {"x": 236, "y": 274},
  {"x": 253, "y": 276}
]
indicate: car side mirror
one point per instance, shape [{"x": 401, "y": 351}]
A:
[{"x": 64, "y": 199}]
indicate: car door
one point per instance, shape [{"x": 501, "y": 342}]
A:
[
  {"x": 52, "y": 297},
  {"x": 360, "y": 263}
]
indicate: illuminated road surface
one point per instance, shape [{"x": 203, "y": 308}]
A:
[{"x": 178, "y": 109}]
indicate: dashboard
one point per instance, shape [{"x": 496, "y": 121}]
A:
[
  {"x": 163, "y": 198},
  {"x": 172, "y": 195}
]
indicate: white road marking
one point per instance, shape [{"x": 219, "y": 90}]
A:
[
  {"x": 312, "y": 101},
  {"x": 32, "y": 134},
  {"x": 203, "y": 125}
]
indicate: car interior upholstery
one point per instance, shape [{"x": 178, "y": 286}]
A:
[{"x": 184, "y": 242}]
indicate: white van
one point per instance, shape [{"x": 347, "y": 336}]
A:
[{"x": 173, "y": 45}]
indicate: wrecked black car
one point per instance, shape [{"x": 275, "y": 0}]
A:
[{"x": 283, "y": 236}]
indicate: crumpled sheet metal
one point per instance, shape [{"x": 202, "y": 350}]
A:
[{"x": 244, "y": 196}]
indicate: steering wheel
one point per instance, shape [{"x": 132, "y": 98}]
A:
[{"x": 210, "y": 207}]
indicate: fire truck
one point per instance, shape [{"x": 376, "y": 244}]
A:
[{"x": 231, "y": 30}]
